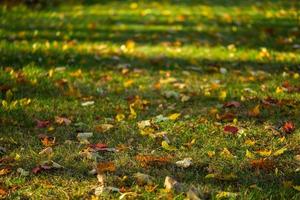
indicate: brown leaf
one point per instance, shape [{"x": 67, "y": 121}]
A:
[
  {"x": 106, "y": 167},
  {"x": 148, "y": 160},
  {"x": 62, "y": 120},
  {"x": 262, "y": 163},
  {"x": 229, "y": 104}
]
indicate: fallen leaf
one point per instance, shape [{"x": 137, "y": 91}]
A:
[
  {"x": 222, "y": 95},
  {"x": 46, "y": 151},
  {"x": 231, "y": 129},
  {"x": 23, "y": 172},
  {"x": 264, "y": 153},
  {"x": 222, "y": 177},
  {"x": 174, "y": 116},
  {"x": 42, "y": 124},
  {"x": 144, "y": 124},
  {"x": 148, "y": 160},
  {"x": 3, "y": 192},
  {"x": 193, "y": 193},
  {"x": 46, "y": 140},
  {"x": 120, "y": 117},
  {"x": 297, "y": 187},
  {"x": 87, "y": 103},
  {"x": 185, "y": 163},
  {"x": 226, "y": 153},
  {"x": 249, "y": 154},
  {"x": 168, "y": 147},
  {"x": 5, "y": 170},
  {"x": 280, "y": 151},
  {"x": 143, "y": 179},
  {"x": 62, "y": 120},
  {"x": 223, "y": 194},
  {"x": 172, "y": 184},
  {"x": 132, "y": 112},
  {"x": 262, "y": 163},
  {"x": 83, "y": 137},
  {"x": 229, "y": 104},
  {"x": 255, "y": 112},
  {"x": 288, "y": 127},
  {"x": 103, "y": 127},
  {"x": 106, "y": 167}
]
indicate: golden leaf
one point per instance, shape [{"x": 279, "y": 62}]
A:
[{"x": 174, "y": 116}]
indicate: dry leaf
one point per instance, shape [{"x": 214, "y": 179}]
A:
[
  {"x": 255, "y": 112},
  {"x": 143, "y": 179},
  {"x": 185, "y": 163},
  {"x": 288, "y": 127},
  {"x": 106, "y": 167},
  {"x": 103, "y": 127}
]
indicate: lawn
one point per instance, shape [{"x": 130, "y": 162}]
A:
[{"x": 101, "y": 100}]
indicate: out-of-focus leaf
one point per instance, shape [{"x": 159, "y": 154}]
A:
[
  {"x": 143, "y": 179},
  {"x": 168, "y": 147},
  {"x": 103, "y": 127},
  {"x": 106, "y": 167},
  {"x": 288, "y": 127},
  {"x": 120, "y": 117},
  {"x": 249, "y": 154},
  {"x": 174, "y": 116},
  {"x": 264, "y": 153},
  {"x": 280, "y": 151},
  {"x": 231, "y": 129},
  {"x": 222, "y": 195},
  {"x": 185, "y": 163},
  {"x": 255, "y": 112}
]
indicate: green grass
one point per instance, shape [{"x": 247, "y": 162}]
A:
[{"x": 190, "y": 41}]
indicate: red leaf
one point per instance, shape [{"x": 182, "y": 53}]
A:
[
  {"x": 235, "y": 104},
  {"x": 231, "y": 129},
  {"x": 288, "y": 127},
  {"x": 98, "y": 147},
  {"x": 42, "y": 124}
]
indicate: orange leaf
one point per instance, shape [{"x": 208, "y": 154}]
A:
[{"x": 106, "y": 167}]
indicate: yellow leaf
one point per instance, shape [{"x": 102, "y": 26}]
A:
[
  {"x": 132, "y": 112},
  {"x": 168, "y": 147},
  {"x": 222, "y": 95},
  {"x": 255, "y": 111},
  {"x": 222, "y": 195},
  {"x": 120, "y": 117},
  {"x": 279, "y": 90},
  {"x": 174, "y": 116},
  {"x": 264, "y": 153},
  {"x": 211, "y": 153},
  {"x": 226, "y": 153},
  {"x": 297, "y": 187},
  {"x": 147, "y": 131},
  {"x": 249, "y": 142},
  {"x": 249, "y": 154},
  {"x": 280, "y": 151},
  {"x": 128, "y": 83}
]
